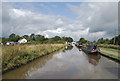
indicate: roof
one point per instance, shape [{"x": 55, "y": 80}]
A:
[
  {"x": 22, "y": 39},
  {"x": 91, "y": 46}
]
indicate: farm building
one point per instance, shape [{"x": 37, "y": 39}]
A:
[
  {"x": 22, "y": 40},
  {"x": 10, "y": 43}
]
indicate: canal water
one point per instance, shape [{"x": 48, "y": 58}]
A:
[{"x": 68, "y": 63}]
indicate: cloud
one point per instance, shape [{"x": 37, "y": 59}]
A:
[
  {"x": 59, "y": 22},
  {"x": 23, "y": 22},
  {"x": 97, "y": 16},
  {"x": 94, "y": 20}
]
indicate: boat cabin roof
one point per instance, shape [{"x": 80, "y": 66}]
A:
[{"x": 92, "y": 46}]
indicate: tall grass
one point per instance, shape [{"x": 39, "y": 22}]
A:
[{"x": 14, "y": 56}]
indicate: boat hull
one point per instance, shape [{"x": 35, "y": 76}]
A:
[{"x": 90, "y": 52}]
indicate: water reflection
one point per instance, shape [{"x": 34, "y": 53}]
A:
[
  {"x": 94, "y": 59},
  {"x": 68, "y": 48},
  {"x": 69, "y": 64},
  {"x": 79, "y": 48}
]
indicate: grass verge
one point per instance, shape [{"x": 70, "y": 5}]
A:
[
  {"x": 15, "y": 56},
  {"x": 110, "y": 49},
  {"x": 110, "y": 55}
]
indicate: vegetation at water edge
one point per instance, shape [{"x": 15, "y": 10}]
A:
[{"x": 14, "y": 56}]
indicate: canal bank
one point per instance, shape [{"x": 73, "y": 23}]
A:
[
  {"x": 14, "y": 57},
  {"x": 109, "y": 54},
  {"x": 68, "y": 63}
]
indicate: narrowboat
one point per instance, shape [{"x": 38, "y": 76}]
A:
[{"x": 93, "y": 49}]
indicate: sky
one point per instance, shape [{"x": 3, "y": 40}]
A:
[{"x": 91, "y": 20}]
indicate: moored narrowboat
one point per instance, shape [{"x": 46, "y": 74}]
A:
[{"x": 93, "y": 49}]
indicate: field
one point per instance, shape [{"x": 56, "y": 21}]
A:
[{"x": 15, "y": 56}]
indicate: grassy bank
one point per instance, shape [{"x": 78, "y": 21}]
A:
[
  {"x": 15, "y": 56},
  {"x": 109, "y": 46},
  {"x": 111, "y": 56},
  {"x": 110, "y": 49}
]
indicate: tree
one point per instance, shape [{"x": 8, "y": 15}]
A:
[
  {"x": 32, "y": 36},
  {"x": 26, "y": 37},
  {"x": 4, "y": 40},
  {"x": 94, "y": 41},
  {"x": 82, "y": 40},
  {"x": 106, "y": 41},
  {"x": 63, "y": 38},
  {"x": 101, "y": 41},
  {"x": 68, "y": 39},
  {"x": 17, "y": 38},
  {"x": 14, "y": 37},
  {"x": 118, "y": 39},
  {"x": 56, "y": 38},
  {"x": 40, "y": 38}
]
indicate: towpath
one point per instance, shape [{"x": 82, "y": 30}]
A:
[{"x": 111, "y": 52}]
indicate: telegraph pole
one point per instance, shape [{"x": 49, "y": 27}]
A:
[{"x": 114, "y": 36}]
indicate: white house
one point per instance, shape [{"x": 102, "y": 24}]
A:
[
  {"x": 1, "y": 43},
  {"x": 8, "y": 43},
  {"x": 22, "y": 40}
]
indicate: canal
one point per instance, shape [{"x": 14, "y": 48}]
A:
[{"x": 68, "y": 63}]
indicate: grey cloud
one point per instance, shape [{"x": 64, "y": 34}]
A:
[
  {"x": 94, "y": 20},
  {"x": 97, "y": 16},
  {"x": 26, "y": 22}
]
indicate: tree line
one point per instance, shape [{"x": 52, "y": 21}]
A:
[
  {"x": 37, "y": 38},
  {"x": 115, "y": 40}
]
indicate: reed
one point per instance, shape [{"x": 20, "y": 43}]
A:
[{"x": 14, "y": 56}]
